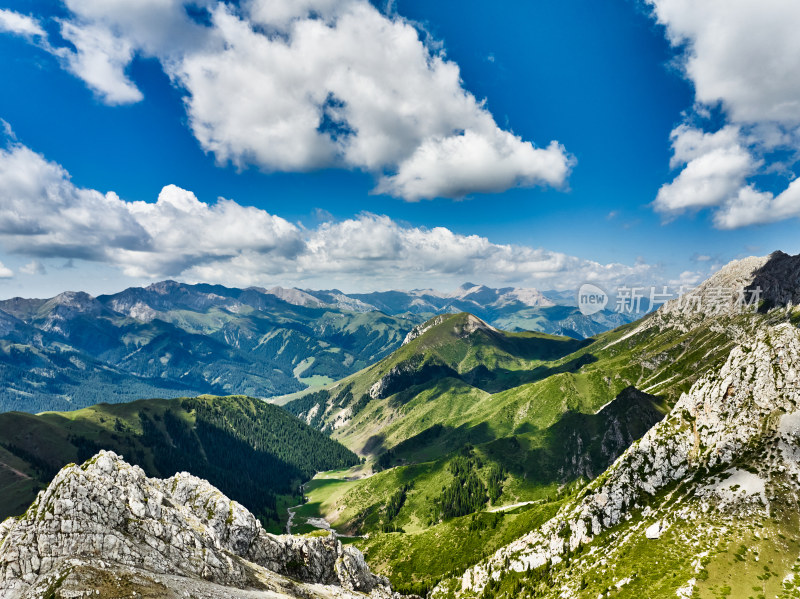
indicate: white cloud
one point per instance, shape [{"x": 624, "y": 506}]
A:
[
  {"x": 751, "y": 207},
  {"x": 107, "y": 34},
  {"x": 5, "y": 272},
  {"x": 374, "y": 252},
  {"x": 185, "y": 232},
  {"x": 745, "y": 57},
  {"x": 742, "y": 53},
  {"x": 44, "y": 215},
  {"x": 19, "y": 24},
  {"x": 457, "y": 165},
  {"x": 715, "y": 166},
  {"x": 42, "y": 212},
  {"x": 353, "y": 89},
  {"x": 297, "y": 86},
  {"x": 34, "y": 267},
  {"x": 100, "y": 60}
]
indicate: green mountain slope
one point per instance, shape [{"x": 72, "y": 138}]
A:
[
  {"x": 461, "y": 374},
  {"x": 450, "y": 355},
  {"x": 706, "y": 503},
  {"x": 251, "y": 450},
  {"x": 461, "y": 405},
  {"x": 547, "y": 420}
]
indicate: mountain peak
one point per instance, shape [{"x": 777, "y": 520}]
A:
[
  {"x": 750, "y": 284},
  {"x": 72, "y": 298},
  {"x": 70, "y": 303},
  {"x": 295, "y": 296},
  {"x": 778, "y": 280},
  {"x": 163, "y": 287},
  {"x": 109, "y": 508},
  {"x": 463, "y": 324}
]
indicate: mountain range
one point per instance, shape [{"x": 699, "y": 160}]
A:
[
  {"x": 535, "y": 417},
  {"x": 508, "y": 308},
  {"x": 658, "y": 459},
  {"x": 171, "y": 339}
]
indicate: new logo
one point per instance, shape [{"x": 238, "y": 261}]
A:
[{"x": 591, "y": 299}]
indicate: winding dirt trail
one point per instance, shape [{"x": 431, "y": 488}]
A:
[{"x": 15, "y": 471}]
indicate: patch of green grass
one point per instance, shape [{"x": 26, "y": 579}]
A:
[
  {"x": 317, "y": 380},
  {"x": 450, "y": 547}
]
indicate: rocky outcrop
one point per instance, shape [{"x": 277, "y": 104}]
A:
[
  {"x": 778, "y": 281},
  {"x": 745, "y": 286},
  {"x": 423, "y": 328},
  {"x": 724, "y": 415},
  {"x": 177, "y": 533}
]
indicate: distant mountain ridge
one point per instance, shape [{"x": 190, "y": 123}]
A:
[
  {"x": 508, "y": 308},
  {"x": 171, "y": 339}
]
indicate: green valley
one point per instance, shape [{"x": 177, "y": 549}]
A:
[
  {"x": 464, "y": 419},
  {"x": 253, "y": 451}
]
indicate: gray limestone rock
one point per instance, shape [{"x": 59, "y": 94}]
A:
[{"x": 105, "y": 521}]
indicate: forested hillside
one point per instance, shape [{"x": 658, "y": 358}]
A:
[{"x": 250, "y": 450}]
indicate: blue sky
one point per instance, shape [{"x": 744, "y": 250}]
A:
[{"x": 666, "y": 162}]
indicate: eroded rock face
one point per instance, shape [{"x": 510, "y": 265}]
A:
[
  {"x": 723, "y": 414},
  {"x": 745, "y": 286},
  {"x": 423, "y": 328},
  {"x": 107, "y": 511}
]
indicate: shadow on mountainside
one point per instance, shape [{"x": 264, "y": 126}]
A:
[
  {"x": 406, "y": 380},
  {"x": 576, "y": 445},
  {"x": 778, "y": 281}
]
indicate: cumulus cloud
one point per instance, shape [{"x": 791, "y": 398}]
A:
[
  {"x": 302, "y": 85},
  {"x": 714, "y": 168},
  {"x": 5, "y": 272},
  {"x": 751, "y": 206},
  {"x": 44, "y": 215},
  {"x": 100, "y": 59},
  {"x": 745, "y": 58},
  {"x": 184, "y": 232},
  {"x": 34, "y": 267},
  {"x": 19, "y": 24},
  {"x": 743, "y": 54},
  {"x": 457, "y": 165},
  {"x": 400, "y": 250},
  {"x": 374, "y": 252}
]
